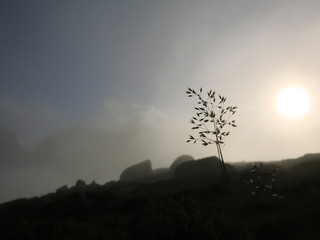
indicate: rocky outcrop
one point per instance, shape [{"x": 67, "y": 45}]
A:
[
  {"x": 207, "y": 166},
  {"x": 137, "y": 172},
  {"x": 93, "y": 184},
  {"x": 160, "y": 174},
  {"x": 180, "y": 160},
  {"x": 80, "y": 184},
  {"x": 63, "y": 189}
]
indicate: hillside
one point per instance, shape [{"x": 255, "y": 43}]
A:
[{"x": 197, "y": 206}]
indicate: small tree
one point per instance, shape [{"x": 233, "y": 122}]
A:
[{"x": 212, "y": 118}]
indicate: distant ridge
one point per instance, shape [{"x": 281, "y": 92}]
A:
[
  {"x": 171, "y": 206},
  {"x": 309, "y": 157}
]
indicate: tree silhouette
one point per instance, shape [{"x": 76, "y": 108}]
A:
[{"x": 211, "y": 120}]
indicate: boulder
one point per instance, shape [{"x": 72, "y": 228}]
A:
[
  {"x": 80, "y": 184},
  {"x": 180, "y": 160},
  {"x": 93, "y": 184},
  {"x": 160, "y": 171},
  {"x": 62, "y": 189},
  {"x": 160, "y": 174},
  {"x": 137, "y": 172},
  {"x": 207, "y": 166}
]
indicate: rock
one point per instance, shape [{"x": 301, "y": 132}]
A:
[
  {"x": 93, "y": 183},
  {"x": 80, "y": 184},
  {"x": 207, "y": 166},
  {"x": 160, "y": 171},
  {"x": 160, "y": 174},
  {"x": 62, "y": 189},
  {"x": 180, "y": 160},
  {"x": 92, "y": 186},
  {"x": 137, "y": 172}
]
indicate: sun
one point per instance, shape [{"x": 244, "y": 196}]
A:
[{"x": 292, "y": 102}]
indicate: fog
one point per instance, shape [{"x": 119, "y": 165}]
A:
[
  {"x": 102, "y": 147},
  {"x": 90, "y": 88},
  {"x": 99, "y": 149}
]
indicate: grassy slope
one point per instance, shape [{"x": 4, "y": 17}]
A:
[{"x": 189, "y": 208}]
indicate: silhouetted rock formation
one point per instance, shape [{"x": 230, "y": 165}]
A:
[
  {"x": 180, "y": 160},
  {"x": 80, "y": 184},
  {"x": 137, "y": 172},
  {"x": 160, "y": 171},
  {"x": 207, "y": 166},
  {"x": 177, "y": 208},
  {"x": 159, "y": 174},
  {"x": 63, "y": 189},
  {"x": 93, "y": 184}
]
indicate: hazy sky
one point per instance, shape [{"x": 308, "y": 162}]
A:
[{"x": 123, "y": 66}]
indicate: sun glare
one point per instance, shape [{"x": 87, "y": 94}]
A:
[{"x": 293, "y": 102}]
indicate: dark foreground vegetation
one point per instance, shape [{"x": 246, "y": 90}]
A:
[{"x": 195, "y": 207}]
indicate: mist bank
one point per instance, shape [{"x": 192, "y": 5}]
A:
[
  {"x": 86, "y": 153},
  {"x": 80, "y": 152}
]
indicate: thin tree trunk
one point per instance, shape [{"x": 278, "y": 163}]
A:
[
  {"x": 220, "y": 163},
  {"x": 223, "y": 165}
]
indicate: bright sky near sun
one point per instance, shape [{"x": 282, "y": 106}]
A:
[
  {"x": 61, "y": 61},
  {"x": 293, "y": 102},
  {"x": 126, "y": 65}
]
